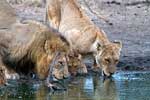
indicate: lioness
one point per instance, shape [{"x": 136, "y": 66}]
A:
[
  {"x": 31, "y": 46},
  {"x": 83, "y": 35}
]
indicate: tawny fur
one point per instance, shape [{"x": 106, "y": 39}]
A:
[
  {"x": 30, "y": 46},
  {"x": 81, "y": 33}
]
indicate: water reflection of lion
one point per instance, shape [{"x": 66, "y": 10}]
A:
[
  {"x": 107, "y": 90},
  {"x": 82, "y": 35}
]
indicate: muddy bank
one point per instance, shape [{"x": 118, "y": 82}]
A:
[{"x": 129, "y": 23}]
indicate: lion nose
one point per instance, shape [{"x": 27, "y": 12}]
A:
[
  {"x": 60, "y": 62},
  {"x": 111, "y": 74},
  {"x": 53, "y": 78},
  {"x": 66, "y": 76},
  {"x": 106, "y": 76}
]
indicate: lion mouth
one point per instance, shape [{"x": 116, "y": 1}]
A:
[{"x": 106, "y": 76}]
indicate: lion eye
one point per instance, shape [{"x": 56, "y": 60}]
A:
[
  {"x": 60, "y": 62},
  {"x": 107, "y": 60},
  {"x": 116, "y": 61}
]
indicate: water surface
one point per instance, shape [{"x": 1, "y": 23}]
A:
[{"x": 123, "y": 86}]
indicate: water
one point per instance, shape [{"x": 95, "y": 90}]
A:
[{"x": 123, "y": 86}]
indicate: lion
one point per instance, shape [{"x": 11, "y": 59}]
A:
[
  {"x": 75, "y": 65},
  {"x": 30, "y": 46},
  {"x": 82, "y": 35}
]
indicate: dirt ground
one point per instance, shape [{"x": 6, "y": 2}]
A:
[
  {"x": 130, "y": 24},
  {"x": 129, "y": 20}
]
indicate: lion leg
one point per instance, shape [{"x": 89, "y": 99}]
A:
[
  {"x": 95, "y": 67},
  {"x": 82, "y": 69},
  {"x": 53, "y": 14},
  {"x": 3, "y": 80}
]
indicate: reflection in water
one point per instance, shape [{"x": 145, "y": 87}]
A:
[
  {"x": 124, "y": 86},
  {"x": 101, "y": 90},
  {"x": 107, "y": 91},
  {"x": 83, "y": 88}
]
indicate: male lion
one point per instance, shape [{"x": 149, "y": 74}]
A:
[
  {"x": 82, "y": 34},
  {"x": 31, "y": 47}
]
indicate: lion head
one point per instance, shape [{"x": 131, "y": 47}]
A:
[
  {"x": 75, "y": 65},
  {"x": 60, "y": 69},
  {"x": 108, "y": 57}
]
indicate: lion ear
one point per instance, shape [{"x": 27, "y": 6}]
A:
[{"x": 118, "y": 43}]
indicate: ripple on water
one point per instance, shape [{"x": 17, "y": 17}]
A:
[
  {"x": 132, "y": 75},
  {"x": 133, "y": 85}
]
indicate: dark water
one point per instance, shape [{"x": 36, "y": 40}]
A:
[{"x": 123, "y": 86}]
